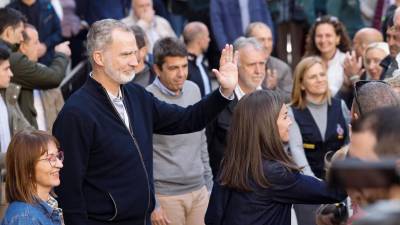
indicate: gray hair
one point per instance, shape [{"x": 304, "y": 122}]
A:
[
  {"x": 255, "y": 25},
  {"x": 100, "y": 35},
  {"x": 375, "y": 95},
  {"x": 243, "y": 42}
]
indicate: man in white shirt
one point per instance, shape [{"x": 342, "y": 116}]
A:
[{"x": 197, "y": 38}]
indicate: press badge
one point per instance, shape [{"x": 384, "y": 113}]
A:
[{"x": 309, "y": 146}]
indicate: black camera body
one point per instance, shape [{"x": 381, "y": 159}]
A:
[{"x": 354, "y": 173}]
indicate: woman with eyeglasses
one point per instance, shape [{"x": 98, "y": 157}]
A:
[
  {"x": 33, "y": 164},
  {"x": 320, "y": 124},
  {"x": 328, "y": 39},
  {"x": 258, "y": 180}
]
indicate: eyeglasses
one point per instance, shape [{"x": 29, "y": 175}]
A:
[
  {"x": 358, "y": 85},
  {"x": 52, "y": 158}
]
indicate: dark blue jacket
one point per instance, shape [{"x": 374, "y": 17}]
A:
[
  {"x": 94, "y": 10},
  {"x": 195, "y": 74},
  {"x": 268, "y": 206},
  {"x": 49, "y": 27},
  {"x": 226, "y": 21},
  {"x": 315, "y": 147},
  {"x": 108, "y": 170}
]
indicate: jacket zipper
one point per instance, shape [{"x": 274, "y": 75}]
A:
[{"x": 137, "y": 147}]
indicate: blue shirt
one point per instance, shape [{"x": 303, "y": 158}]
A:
[{"x": 21, "y": 213}]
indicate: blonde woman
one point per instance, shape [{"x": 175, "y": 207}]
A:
[
  {"x": 373, "y": 55},
  {"x": 319, "y": 120},
  {"x": 319, "y": 124}
]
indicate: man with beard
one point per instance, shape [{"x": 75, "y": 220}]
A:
[
  {"x": 106, "y": 128},
  {"x": 251, "y": 68}
]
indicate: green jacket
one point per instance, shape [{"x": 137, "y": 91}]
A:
[{"x": 32, "y": 75}]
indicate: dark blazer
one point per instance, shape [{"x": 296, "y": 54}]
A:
[
  {"x": 226, "y": 20},
  {"x": 195, "y": 75},
  {"x": 216, "y": 132},
  {"x": 107, "y": 176},
  {"x": 268, "y": 206}
]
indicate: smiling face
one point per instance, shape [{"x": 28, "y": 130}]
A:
[
  {"x": 47, "y": 170},
  {"x": 315, "y": 81},
  {"x": 251, "y": 68},
  {"x": 283, "y": 122},
  {"x": 372, "y": 59},
  {"x": 326, "y": 38},
  {"x": 173, "y": 73}
]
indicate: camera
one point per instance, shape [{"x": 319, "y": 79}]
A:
[{"x": 354, "y": 173}]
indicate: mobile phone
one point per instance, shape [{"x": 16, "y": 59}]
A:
[{"x": 353, "y": 173}]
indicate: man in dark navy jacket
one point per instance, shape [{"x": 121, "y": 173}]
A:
[
  {"x": 106, "y": 128},
  {"x": 197, "y": 38}
]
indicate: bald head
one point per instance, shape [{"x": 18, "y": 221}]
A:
[
  {"x": 196, "y": 37},
  {"x": 262, "y": 33},
  {"x": 192, "y": 31},
  {"x": 374, "y": 95},
  {"x": 365, "y": 37}
]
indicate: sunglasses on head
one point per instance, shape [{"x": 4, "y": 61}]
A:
[{"x": 332, "y": 19}]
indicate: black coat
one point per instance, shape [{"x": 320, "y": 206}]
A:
[
  {"x": 268, "y": 206},
  {"x": 107, "y": 176}
]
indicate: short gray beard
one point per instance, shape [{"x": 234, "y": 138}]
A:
[{"x": 119, "y": 77}]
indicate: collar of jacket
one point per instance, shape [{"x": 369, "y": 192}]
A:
[
  {"x": 13, "y": 47},
  {"x": 386, "y": 61},
  {"x": 95, "y": 87},
  {"x": 192, "y": 57}
]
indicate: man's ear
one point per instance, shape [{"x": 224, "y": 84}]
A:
[
  {"x": 356, "y": 116},
  {"x": 22, "y": 48},
  {"x": 7, "y": 33},
  {"x": 157, "y": 69},
  {"x": 98, "y": 58}
]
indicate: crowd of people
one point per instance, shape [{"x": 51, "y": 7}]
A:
[{"x": 220, "y": 112}]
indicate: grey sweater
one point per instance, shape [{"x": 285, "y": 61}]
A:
[{"x": 181, "y": 162}]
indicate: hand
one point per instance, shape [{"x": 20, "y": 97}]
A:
[
  {"x": 352, "y": 66},
  {"x": 42, "y": 49},
  {"x": 63, "y": 48},
  {"x": 227, "y": 75},
  {"x": 272, "y": 79},
  {"x": 158, "y": 217}
]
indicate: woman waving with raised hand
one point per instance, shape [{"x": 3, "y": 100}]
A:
[{"x": 258, "y": 180}]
